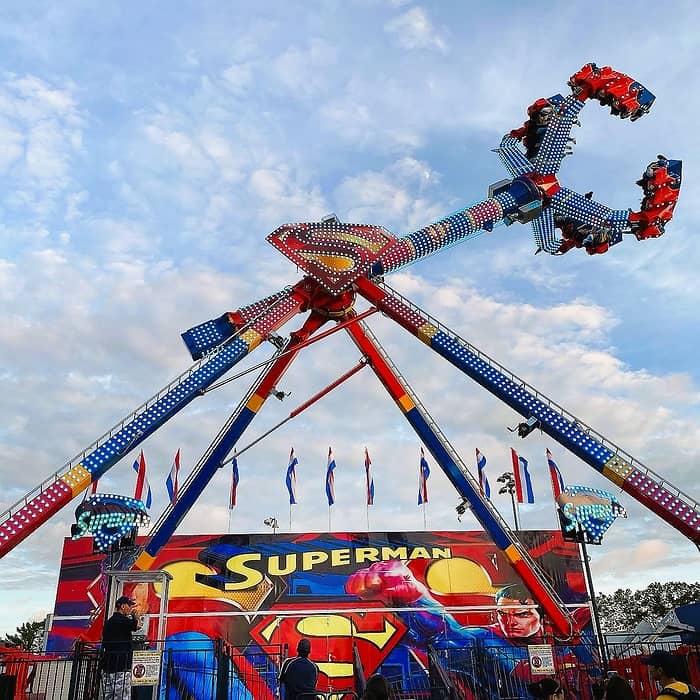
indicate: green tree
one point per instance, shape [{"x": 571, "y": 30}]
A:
[
  {"x": 624, "y": 609},
  {"x": 29, "y": 636}
]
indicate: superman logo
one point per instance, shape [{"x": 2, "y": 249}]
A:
[
  {"x": 333, "y": 253},
  {"x": 332, "y": 635}
]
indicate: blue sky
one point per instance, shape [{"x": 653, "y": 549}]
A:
[{"x": 146, "y": 152}]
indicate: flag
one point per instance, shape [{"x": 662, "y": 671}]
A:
[
  {"x": 93, "y": 488},
  {"x": 235, "y": 478},
  {"x": 370, "y": 479},
  {"x": 555, "y": 476},
  {"x": 484, "y": 486},
  {"x": 423, "y": 474},
  {"x": 523, "y": 485},
  {"x": 142, "y": 485},
  {"x": 330, "y": 479},
  {"x": 171, "y": 482},
  {"x": 291, "y": 479}
]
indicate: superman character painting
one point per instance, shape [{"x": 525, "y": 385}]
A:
[{"x": 387, "y": 598}]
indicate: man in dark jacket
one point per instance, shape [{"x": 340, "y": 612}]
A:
[
  {"x": 115, "y": 659},
  {"x": 299, "y": 675}
]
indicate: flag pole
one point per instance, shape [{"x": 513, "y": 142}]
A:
[
  {"x": 424, "y": 519},
  {"x": 230, "y": 518},
  {"x": 329, "y": 517},
  {"x": 557, "y": 484},
  {"x": 290, "y": 517}
]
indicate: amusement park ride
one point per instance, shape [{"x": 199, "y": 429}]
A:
[{"x": 343, "y": 261}]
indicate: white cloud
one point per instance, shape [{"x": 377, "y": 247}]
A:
[
  {"x": 186, "y": 151},
  {"x": 238, "y": 77},
  {"x": 281, "y": 195},
  {"x": 46, "y": 162},
  {"x": 40, "y": 138},
  {"x": 42, "y": 97},
  {"x": 397, "y": 196},
  {"x": 221, "y": 151},
  {"x": 304, "y": 71},
  {"x": 11, "y": 146},
  {"x": 74, "y": 201},
  {"x": 414, "y": 30},
  {"x": 348, "y": 117}
]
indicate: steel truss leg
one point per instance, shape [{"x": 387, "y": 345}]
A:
[
  {"x": 44, "y": 501},
  {"x": 225, "y": 442},
  {"x": 457, "y": 473},
  {"x": 654, "y": 492}
]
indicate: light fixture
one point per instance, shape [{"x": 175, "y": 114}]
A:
[{"x": 272, "y": 522}]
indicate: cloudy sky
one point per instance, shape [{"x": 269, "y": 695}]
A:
[{"x": 146, "y": 150}]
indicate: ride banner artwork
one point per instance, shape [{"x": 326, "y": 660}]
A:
[{"x": 390, "y": 595}]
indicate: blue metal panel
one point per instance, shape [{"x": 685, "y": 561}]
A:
[
  {"x": 555, "y": 141},
  {"x": 569, "y": 204},
  {"x": 208, "y": 335},
  {"x": 543, "y": 228},
  {"x": 513, "y": 158}
]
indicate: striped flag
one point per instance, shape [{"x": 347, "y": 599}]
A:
[
  {"x": 523, "y": 485},
  {"x": 235, "y": 478},
  {"x": 171, "y": 482},
  {"x": 93, "y": 487},
  {"x": 291, "y": 478},
  {"x": 330, "y": 479},
  {"x": 484, "y": 486},
  {"x": 555, "y": 476},
  {"x": 142, "y": 485},
  {"x": 370, "y": 479},
  {"x": 423, "y": 474}
]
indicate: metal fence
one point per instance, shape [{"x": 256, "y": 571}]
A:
[
  {"x": 626, "y": 661},
  {"x": 208, "y": 671},
  {"x": 216, "y": 670},
  {"x": 503, "y": 671}
]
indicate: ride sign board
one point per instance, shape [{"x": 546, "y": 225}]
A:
[
  {"x": 145, "y": 668},
  {"x": 389, "y": 595},
  {"x": 541, "y": 659}
]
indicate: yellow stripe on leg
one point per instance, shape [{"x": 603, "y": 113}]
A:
[{"x": 144, "y": 561}]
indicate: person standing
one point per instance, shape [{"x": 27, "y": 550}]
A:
[
  {"x": 299, "y": 675},
  {"x": 377, "y": 688},
  {"x": 546, "y": 689},
  {"x": 115, "y": 658},
  {"x": 664, "y": 667},
  {"x": 617, "y": 688}
]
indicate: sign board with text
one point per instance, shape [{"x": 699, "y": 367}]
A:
[
  {"x": 145, "y": 668},
  {"x": 541, "y": 659}
]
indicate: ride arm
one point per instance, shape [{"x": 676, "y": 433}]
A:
[
  {"x": 515, "y": 200},
  {"x": 28, "y": 514},
  {"x": 588, "y": 224},
  {"x": 207, "y": 336},
  {"x": 641, "y": 483},
  {"x": 546, "y": 136},
  {"x": 460, "y": 477}
]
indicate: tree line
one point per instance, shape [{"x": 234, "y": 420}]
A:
[{"x": 624, "y": 609}]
